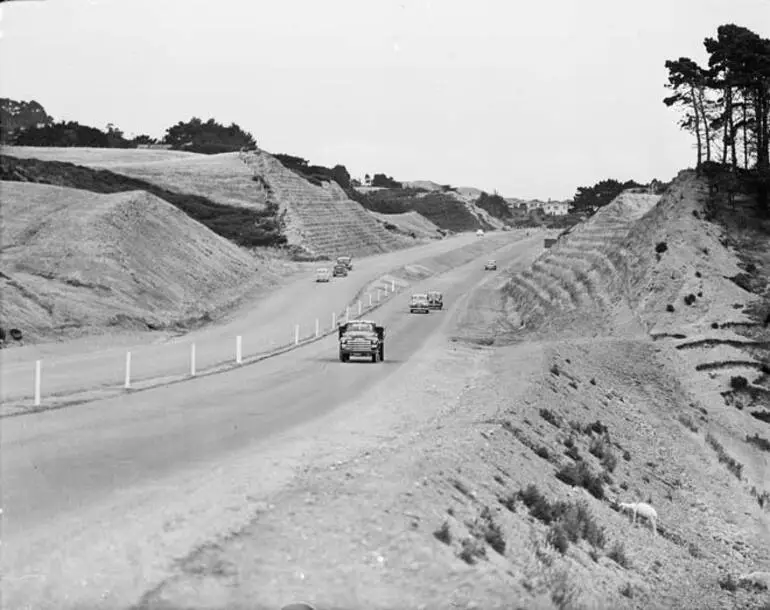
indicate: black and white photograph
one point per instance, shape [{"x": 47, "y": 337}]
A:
[{"x": 384, "y": 305}]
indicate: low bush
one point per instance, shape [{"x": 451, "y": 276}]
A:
[
  {"x": 550, "y": 417},
  {"x": 580, "y": 475},
  {"x": 618, "y": 554},
  {"x": 661, "y": 247},
  {"x": 443, "y": 534},
  {"x": 738, "y": 383},
  {"x": 758, "y": 441},
  {"x": 732, "y": 464}
]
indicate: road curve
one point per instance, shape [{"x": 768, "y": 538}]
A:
[
  {"x": 264, "y": 325},
  {"x": 69, "y": 476}
]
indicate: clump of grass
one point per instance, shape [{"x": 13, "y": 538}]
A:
[
  {"x": 472, "y": 550},
  {"x": 670, "y": 308},
  {"x": 618, "y": 554},
  {"x": 627, "y": 455},
  {"x": 509, "y": 502},
  {"x": 443, "y": 534},
  {"x": 580, "y": 475},
  {"x": 542, "y": 452},
  {"x": 600, "y": 448},
  {"x": 557, "y": 538},
  {"x": 689, "y": 299},
  {"x": 555, "y": 370},
  {"x": 698, "y": 274},
  {"x": 461, "y": 487},
  {"x": 627, "y": 591},
  {"x": 550, "y": 417},
  {"x": 728, "y": 583},
  {"x": 732, "y": 464},
  {"x": 759, "y": 441},
  {"x": 661, "y": 247},
  {"x": 573, "y": 453},
  {"x": 491, "y": 531},
  {"x": 596, "y": 427},
  {"x": 593, "y": 381},
  {"x": 687, "y": 422},
  {"x": 569, "y": 521},
  {"x": 738, "y": 383},
  {"x": 715, "y": 325}
]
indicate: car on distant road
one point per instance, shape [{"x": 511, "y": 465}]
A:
[
  {"x": 419, "y": 304},
  {"x": 435, "y": 299},
  {"x": 480, "y": 233},
  {"x": 345, "y": 260},
  {"x": 340, "y": 271},
  {"x": 323, "y": 275},
  {"x": 491, "y": 265},
  {"x": 361, "y": 338}
]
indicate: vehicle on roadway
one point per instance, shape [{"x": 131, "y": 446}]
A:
[
  {"x": 323, "y": 275},
  {"x": 419, "y": 304},
  {"x": 361, "y": 338},
  {"x": 480, "y": 233},
  {"x": 435, "y": 299},
  {"x": 345, "y": 260},
  {"x": 340, "y": 271},
  {"x": 491, "y": 265}
]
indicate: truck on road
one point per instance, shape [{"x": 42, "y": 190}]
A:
[
  {"x": 435, "y": 299},
  {"x": 419, "y": 304},
  {"x": 361, "y": 338},
  {"x": 345, "y": 260}
]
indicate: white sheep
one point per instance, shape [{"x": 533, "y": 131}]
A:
[{"x": 641, "y": 509}]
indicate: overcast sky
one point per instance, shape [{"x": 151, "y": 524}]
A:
[{"x": 532, "y": 99}]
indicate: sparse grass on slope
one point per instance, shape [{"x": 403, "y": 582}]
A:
[{"x": 245, "y": 227}]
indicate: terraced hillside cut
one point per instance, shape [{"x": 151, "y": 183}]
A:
[
  {"x": 410, "y": 223},
  {"x": 76, "y": 262},
  {"x": 580, "y": 274},
  {"x": 322, "y": 219}
]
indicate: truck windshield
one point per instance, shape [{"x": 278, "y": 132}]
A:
[{"x": 360, "y": 327}]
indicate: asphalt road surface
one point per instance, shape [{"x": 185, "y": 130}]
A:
[
  {"x": 267, "y": 325},
  {"x": 73, "y": 479}
]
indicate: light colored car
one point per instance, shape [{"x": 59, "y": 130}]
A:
[
  {"x": 491, "y": 265},
  {"x": 480, "y": 233},
  {"x": 323, "y": 275},
  {"x": 419, "y": 304}
]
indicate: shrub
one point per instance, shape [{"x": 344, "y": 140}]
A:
[
  {"x": 728, "y": 583},
  {"x": 698, "y": 274},
  {"x": 715, "y": 325},
  {"x": 472, "y": 549},
  {"x": 661, "y": 247},
  {"x": 609, "y": 461},
  {"x": 492, "y": 533},
  {"x": 573, "y": 453},
  {"x": 598, "y": 427},
  {"x": 627, "y": 455},
  {"x": 670, "y": 308},
  {"x": 627, "y": 590},
  {"x": 555, "y": 370},
  {"x": 569, "y": 441},
  {"x": 509, "y": 502},
  {"x": 759, "y": 441},
  {"x": 550, "y": 417},
  {"x": 579, "y": 474},
  {"x": 579, "y": 524},
  {"x": 443, "y": 534},
  {"x": 618, "y": 554},
  {"x": 542, "y": 452},
  {"x": 689, "y": 299},
  {"x": 557, "y": 538},
  {"x": 537, "y": 503},
  {"x": 738, "y": 383},
  {"x": 688, "y": 422}
]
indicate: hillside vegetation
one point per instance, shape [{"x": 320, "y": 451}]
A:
[
  {"x": 247, "y": 227},
  {"x": 77, "y": 262}
]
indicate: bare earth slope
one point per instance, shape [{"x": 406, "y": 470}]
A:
[
  {"x": 75, "y": 260},
  {"x": 322, "y": 219},
  {"x": 456, "y": 503}
]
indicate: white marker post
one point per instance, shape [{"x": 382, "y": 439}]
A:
[
  {"x": 317, "y": 327},
  {"x": 378, "y": 295},
  {"x": 37, "y": 383},
  {"x": 359, "y": 307},
  {"x": 127, "y": 384},
  {"x": 370, "y": 299},
  {"x": 296, "y": 334},
  {"x": 393, "y": 285},
  {"x": 334, "y": 319},
  {"x": 238, "y": 350},
  {"x": 192, "y": 360},
  {"x": 347, "y": 314}
]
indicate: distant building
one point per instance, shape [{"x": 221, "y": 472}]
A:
[{"x": 556, "y": 208}]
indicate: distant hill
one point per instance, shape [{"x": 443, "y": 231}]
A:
[{"x": 20, "y": 115}]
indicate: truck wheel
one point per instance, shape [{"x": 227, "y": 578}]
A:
[
  {"x": 374, "y": 357},
  {"x": 382, "y": 353},
  {"x": 343, "y": 357}
]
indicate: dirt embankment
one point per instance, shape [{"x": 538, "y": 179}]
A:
[
  {"x": 77, "y": 262},
  {"x": 502, "y": 489}
]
